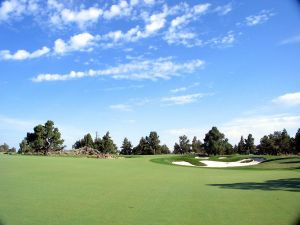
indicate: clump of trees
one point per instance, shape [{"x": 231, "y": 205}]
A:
[
  {"x": 215, "y": 143},
  {"x": 278, "y": 143},
  {"x": 150, "y": 145},
  {"x": 245, "y": 146},
  {"x": 44, "y": 139},
  {"x": 103, "y": 145},
  {"x": 6, "y": 149}
]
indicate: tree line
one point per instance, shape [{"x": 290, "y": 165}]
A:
[
  {"x": 215, "y": 143},
  {"x": 47, "y": 138},
  {"x": 149, "y": 145}
]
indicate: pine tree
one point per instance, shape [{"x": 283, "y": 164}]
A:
[
  {"x": 241, "y": 146},
  {"x": 297, "y": 142},
  {"x": 249, "y": 145},
  {"x": 126, "y": 148}
]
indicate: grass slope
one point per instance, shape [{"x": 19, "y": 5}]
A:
[{"x": 54, "y": 190}]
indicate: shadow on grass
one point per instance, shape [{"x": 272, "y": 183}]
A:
[
  {"x": 1, "y": 222},
  {"x": 281, "y": 158},
  {"x": 291, "y": 184},
  {"x": 290, "y": 162}
]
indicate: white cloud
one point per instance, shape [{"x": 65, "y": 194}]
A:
[
  {"x": 16, "y": 9},
  {"x": 11, "y": 8},
  {"x": 162, "y": 68},
  {"x": 119, "y": 37},
  {"x": 260, "y": 18},
  {"x": 224, "y": 9},
  {"x": 79, "y": 42},
  {"x": 156, "y": 21},
  {"x": 183, "y": 99},
  {"x": 182, "y": 89},
  {"x": 289, "y": 99},
  {"x": 258, "y": 126},
  {"x": 23, "y": 54},
  {"x": 291, "y": 40},
  {"x": 121, "y": 107},
  {"x": 177, "y": 32},
  {"x": 82, "y": 17},
  {"x": 53, "y": 4},
  {"x": 223, "y": 41},
  {"x": 149, "y": 2},
  {"x": 117, "y": 10}
]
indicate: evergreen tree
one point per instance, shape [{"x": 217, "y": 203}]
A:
[
  {"x": 177, "y": 149},
  {"x": 197, "y": 146},
  {"x": 249, "y": 145},
  {"x": 215, "y": 142},
  {"x": 108, "y": 144},
  {"x": 164, "y": 149},
  {"x": 241, "y": 146},
  {"x": 142, "y": 148},
  {"x": 228, "y": 149},
  {"x": 184, "y": 145},
  {"x": 126, "y": 148},
  {"x": 44, "y": 139},
  {"x": 276, "y": 143},
  {"x": 24, "y": 147},
  {"x": 87, "y": 141},
  {"x": 297, "y": 142},
  {"x": 153, "y": 143},
  {"x": 285, "y": 143}
]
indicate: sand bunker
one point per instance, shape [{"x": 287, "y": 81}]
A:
[
  {"x": 244, "y": 162},
  {"x": 182, "y": 163}
]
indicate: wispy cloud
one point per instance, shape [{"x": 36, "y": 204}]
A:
[
  {"x": 262, "y": 17},
  {"x": 182, "y": 89},
  {"x": 162, "y": 68},
  {"x": 178, "y": 33},
  {"x": 291, "y": 40},
  {"x": 223, "y": 9},
  {"x": 121, "y": 107},
  {"x": 289, "y": 99},
  {"x": 183, "y": 99},
  {"x": 10, "y": 123},
  {"x": 23, "y": 54},
  {"x": 121, "y": 88}
]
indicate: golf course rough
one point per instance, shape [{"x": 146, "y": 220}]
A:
[{"x": 64, "y": 190}]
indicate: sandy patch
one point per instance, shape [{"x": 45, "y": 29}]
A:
[
  {"x": 244, "y": 162},
  {"x": 197, "y": 157},
  {"x": 222, "y": 157},
  {"x": 182, "y": 163}
]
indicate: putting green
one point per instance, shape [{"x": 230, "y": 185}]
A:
[{"x": 58, "y": 190}]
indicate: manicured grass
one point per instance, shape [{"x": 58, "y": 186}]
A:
[{"x": 62, "y": 190}]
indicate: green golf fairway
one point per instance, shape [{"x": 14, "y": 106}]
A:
[{"x": 64, "y": 190}]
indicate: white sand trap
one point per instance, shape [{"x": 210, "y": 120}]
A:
[
  {"x": 222, "y": 157},
  {"x": 244, "y": 162},
  {"x": 182, "y": 163},
  {"x": 197, "y": 157}
]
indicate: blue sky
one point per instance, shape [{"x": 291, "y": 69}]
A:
[{"x": 134, "y": 66}]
